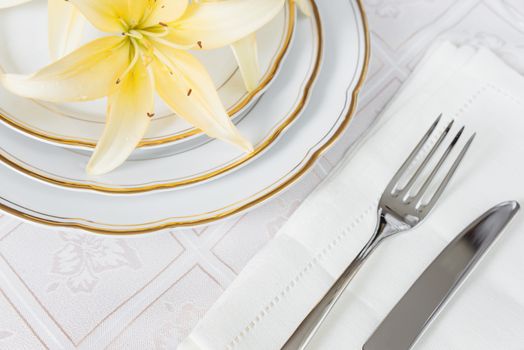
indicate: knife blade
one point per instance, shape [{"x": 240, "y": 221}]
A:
[{"x": 407, "y": 320}]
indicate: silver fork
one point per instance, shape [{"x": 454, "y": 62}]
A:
[{"x": 398, "y": 211}]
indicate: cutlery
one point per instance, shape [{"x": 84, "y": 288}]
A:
[
  {"x": 405, "y": 323},
  {"x": 399, "y": 210}
]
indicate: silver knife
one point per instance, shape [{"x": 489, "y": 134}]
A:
[{"x": 405, "y": 323}]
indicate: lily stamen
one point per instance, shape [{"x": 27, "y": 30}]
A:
[
  {"x": 172, "y": 44},
  {"x": 137, "y": 34},
  {"x": 132, "y": 64},
  {"x": 164, "y": 31}
]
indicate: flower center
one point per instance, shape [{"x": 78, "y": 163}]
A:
[
  {"x": 137, "y": 34},
  {"x": 143, "y": 41}
]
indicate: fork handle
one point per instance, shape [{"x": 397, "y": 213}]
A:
[{"x": 310, "y": 325}]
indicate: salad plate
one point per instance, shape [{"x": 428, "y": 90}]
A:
[
  {"x": 79, "y": 125},
  {"x": 263, "y": 123},
  {"x": 345, "y": 43}
]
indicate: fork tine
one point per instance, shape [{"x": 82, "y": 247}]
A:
[
  {"x": 426, "y": 160},
  {"x": 394, "y": 181},
  {"x": 418, "y": 196},
  {"x": 449, "y": 176}
]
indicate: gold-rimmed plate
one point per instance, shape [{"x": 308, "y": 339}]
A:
[
  {"x": 263, "y": 123},
  {"x": 327, "y": 116},
  {"x": 79, "y": 125}
]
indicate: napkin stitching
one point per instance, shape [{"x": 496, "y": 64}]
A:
[
  {"x": 484, "y": 88},
  {"x": 504, "y": 93},
  {"x": 471, "y": 100},
  {"x": 299, "y": 276}
]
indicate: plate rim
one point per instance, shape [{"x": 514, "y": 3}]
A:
[
  {"x": 242, "y": 208},
  {"x": 273, "y": 136},
  {"x": 249, "y": 98}
]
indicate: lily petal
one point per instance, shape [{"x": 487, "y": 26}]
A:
[
  {"x": 88, "y": 73},
  {"x": 165, "y": 11},
  {"x": 184, "y": 84},
  {"x": 246, "y": 53},
  {"x": 65, "y": 28},
  {"x": 132, "y": 11},
  {"x": 215, "y": 24},
  {"x": 105, "y": 15},
  {"x": 129, "y": 113},
  {"x": 305, "y": 7},
  {"x": 118, "y": 15},
  {"x": 10, "y": 3}
]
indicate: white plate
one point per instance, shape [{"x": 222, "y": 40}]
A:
[
  {"x": 79, "y": 125},
  {"x": 262, "y": 124},
  {"x": 346, "y": 56}
]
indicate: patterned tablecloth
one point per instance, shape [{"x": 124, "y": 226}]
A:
[{"x": 65, "y": 290}]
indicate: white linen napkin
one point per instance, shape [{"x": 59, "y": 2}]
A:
[{"x": 286, "y": 279}]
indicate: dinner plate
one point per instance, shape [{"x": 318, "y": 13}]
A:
[
  {"x": 262, "y": 124},
  {"x": 79, "y": 125},
  {"x": 333, "y": 102}
]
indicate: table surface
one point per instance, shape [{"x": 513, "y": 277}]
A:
[{"x": 66, "y": 290}]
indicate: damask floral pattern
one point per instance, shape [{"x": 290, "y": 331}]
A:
[{"x": 84, "y": 258}]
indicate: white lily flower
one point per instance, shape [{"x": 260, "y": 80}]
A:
[{"x": 147, "y": 52}]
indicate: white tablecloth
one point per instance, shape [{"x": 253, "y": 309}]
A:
[{"x": 64, "y": 290}]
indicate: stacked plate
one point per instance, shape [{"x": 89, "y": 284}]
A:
[{"x": 313, "y": 69}]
